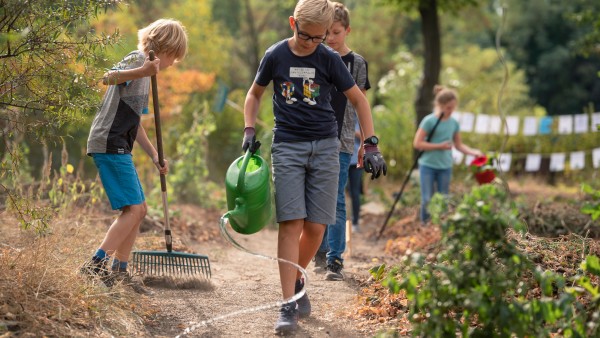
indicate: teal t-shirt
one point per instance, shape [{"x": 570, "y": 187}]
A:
[{"x": 438, "y": 159}]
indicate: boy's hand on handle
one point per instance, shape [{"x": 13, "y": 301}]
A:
[
  {"x": 164, "y": 169},
  {"x": 249, "y": 141},
  {"x": 151, "y": 67},
  {"x": 373, "y": 161}
]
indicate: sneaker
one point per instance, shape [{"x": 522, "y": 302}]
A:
[
  {"x": 120, "y": 276},
  {"x": 320, "y": 260},
  {"x": 288, "y": 319},
  {"x": 124, "y": 278},
  {"x": 94, "y": 269},
  {"x": 138, "y": 287},
  {"x": 355, "y": 228},
  {"x": 303, "y": 303},
  {"x": 334, "y": 270}
]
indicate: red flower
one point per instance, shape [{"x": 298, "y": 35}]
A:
[
  {"x": 483, "y": 169},
  {"x": 479, "y": 161}
]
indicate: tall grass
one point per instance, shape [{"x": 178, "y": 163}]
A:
[{"x": 41, "y": 293}]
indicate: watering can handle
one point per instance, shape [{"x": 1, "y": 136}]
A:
[{"x": 242, "y": 176}]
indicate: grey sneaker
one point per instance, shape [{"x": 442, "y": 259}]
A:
[
  {"x": 124, "y": 278},
  {"x": 334, "y": 270},
  {"x": 288, "y": 319},
  {"x": 320, "y": 260},
  {"x": 119, "y": 277},
  {"x": 96, "y": 269},
  {"x": 303, "y": 303}
]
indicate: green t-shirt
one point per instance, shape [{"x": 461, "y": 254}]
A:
[{"x": 438, "y": 159}]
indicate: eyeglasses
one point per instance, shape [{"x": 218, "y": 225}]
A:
[{"x": 306, "y": 37}]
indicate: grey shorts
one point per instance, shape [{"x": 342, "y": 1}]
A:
[{"x": 305, "y": 175}]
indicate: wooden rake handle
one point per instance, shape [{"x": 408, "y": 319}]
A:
[{"x": 159, "y": 149}]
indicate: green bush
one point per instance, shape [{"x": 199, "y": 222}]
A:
[
  {"x": 592, "y": 207},
  {"x": 481, "y": 285}
]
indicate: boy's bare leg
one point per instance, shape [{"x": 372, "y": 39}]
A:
[
  {"x": 124, "y": 250},
  {"x": 310, "y": 240},
  {"x": 121, "y": 228},
  {"x": 288, "y": 249}
]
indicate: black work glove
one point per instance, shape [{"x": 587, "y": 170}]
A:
[
  {"x": 373, "y": 161},
  {"x": 250, "y": 141}
]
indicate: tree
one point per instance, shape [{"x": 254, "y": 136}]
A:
[
  {"x": 47, "y": 75},
  {"x": 46, "y": 54},
  {"x": 561, "y": 78},
  {"x": 258, "y": 24},
  {"x": 432, "y": 51}
]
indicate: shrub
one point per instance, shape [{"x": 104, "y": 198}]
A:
[{"x": 481, "y": 285}]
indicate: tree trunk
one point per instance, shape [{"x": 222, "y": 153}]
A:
[
  {"x": 253, "y": 53},
  {"x": 432, "y": 53}
]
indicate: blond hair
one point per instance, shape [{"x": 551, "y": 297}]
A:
[
  {"x": 444, "y": 95},
  {"x": 165, "y": 36},
  {"x": 319, "y": 12},
  {"x": 342, "y": 15}
]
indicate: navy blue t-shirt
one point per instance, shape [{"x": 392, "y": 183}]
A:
[{"x": 302, "y": 86}]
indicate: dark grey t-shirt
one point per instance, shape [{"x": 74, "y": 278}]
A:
[
  {"x": 345, "y": 113},
  {"x": 115, "y": 125},
  {"x": 302, "y": 85}
]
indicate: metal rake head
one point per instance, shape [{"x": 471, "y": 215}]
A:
[{"x": 156, "y": 263}]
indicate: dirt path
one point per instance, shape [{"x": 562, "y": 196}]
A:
[{"x": 241, "y": 281}]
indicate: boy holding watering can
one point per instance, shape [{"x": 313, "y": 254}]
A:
[{"x": 305, "y": 146}]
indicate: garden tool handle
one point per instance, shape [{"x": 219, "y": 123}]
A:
[
  {"x": 415, "y": 164},
  {"x": 161, "y": 162}
]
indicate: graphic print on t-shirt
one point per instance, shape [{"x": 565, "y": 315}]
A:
[
  {"x": 310, "y": 89},
  {"x": 287, "y": 90}
]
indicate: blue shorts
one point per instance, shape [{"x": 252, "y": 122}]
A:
[
  {"x": 305, "y": 175},
  {"x": 120, "y": 179}
]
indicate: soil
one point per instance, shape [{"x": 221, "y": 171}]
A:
[{"x": 240, "y": 299}]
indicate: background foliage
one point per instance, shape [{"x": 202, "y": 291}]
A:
[{"x": 53, "y": 58}]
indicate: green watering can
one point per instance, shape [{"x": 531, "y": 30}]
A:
[{"x": 248, "y": 194}]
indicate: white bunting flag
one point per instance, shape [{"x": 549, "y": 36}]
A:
[
  {"x": 530, "y": 125},
  {"x": 595, "y": 121},
  {"x": 557, "y": 162},
  {"x": 495, "y": 124},
  {"x": 565, "y": 124},
  {"x": 467, "y": 120},
  {"x": 504, "y": 162},
  {"x": 457, "y": 156},
  {"x": 512, "y": 125},
  {"x": 577, "y": 160},
  {"x": 596, "y": 158},
  {"x": 581, "y": 123},
  {"x": 482, "y": 124},
  {"x": 457, "y": 116},
  {"x": 533, "y": 162}
]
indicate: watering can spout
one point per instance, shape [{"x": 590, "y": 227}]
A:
[
  {"x": 239, "y": 215},
  {"x": 248, "y": 194}
]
